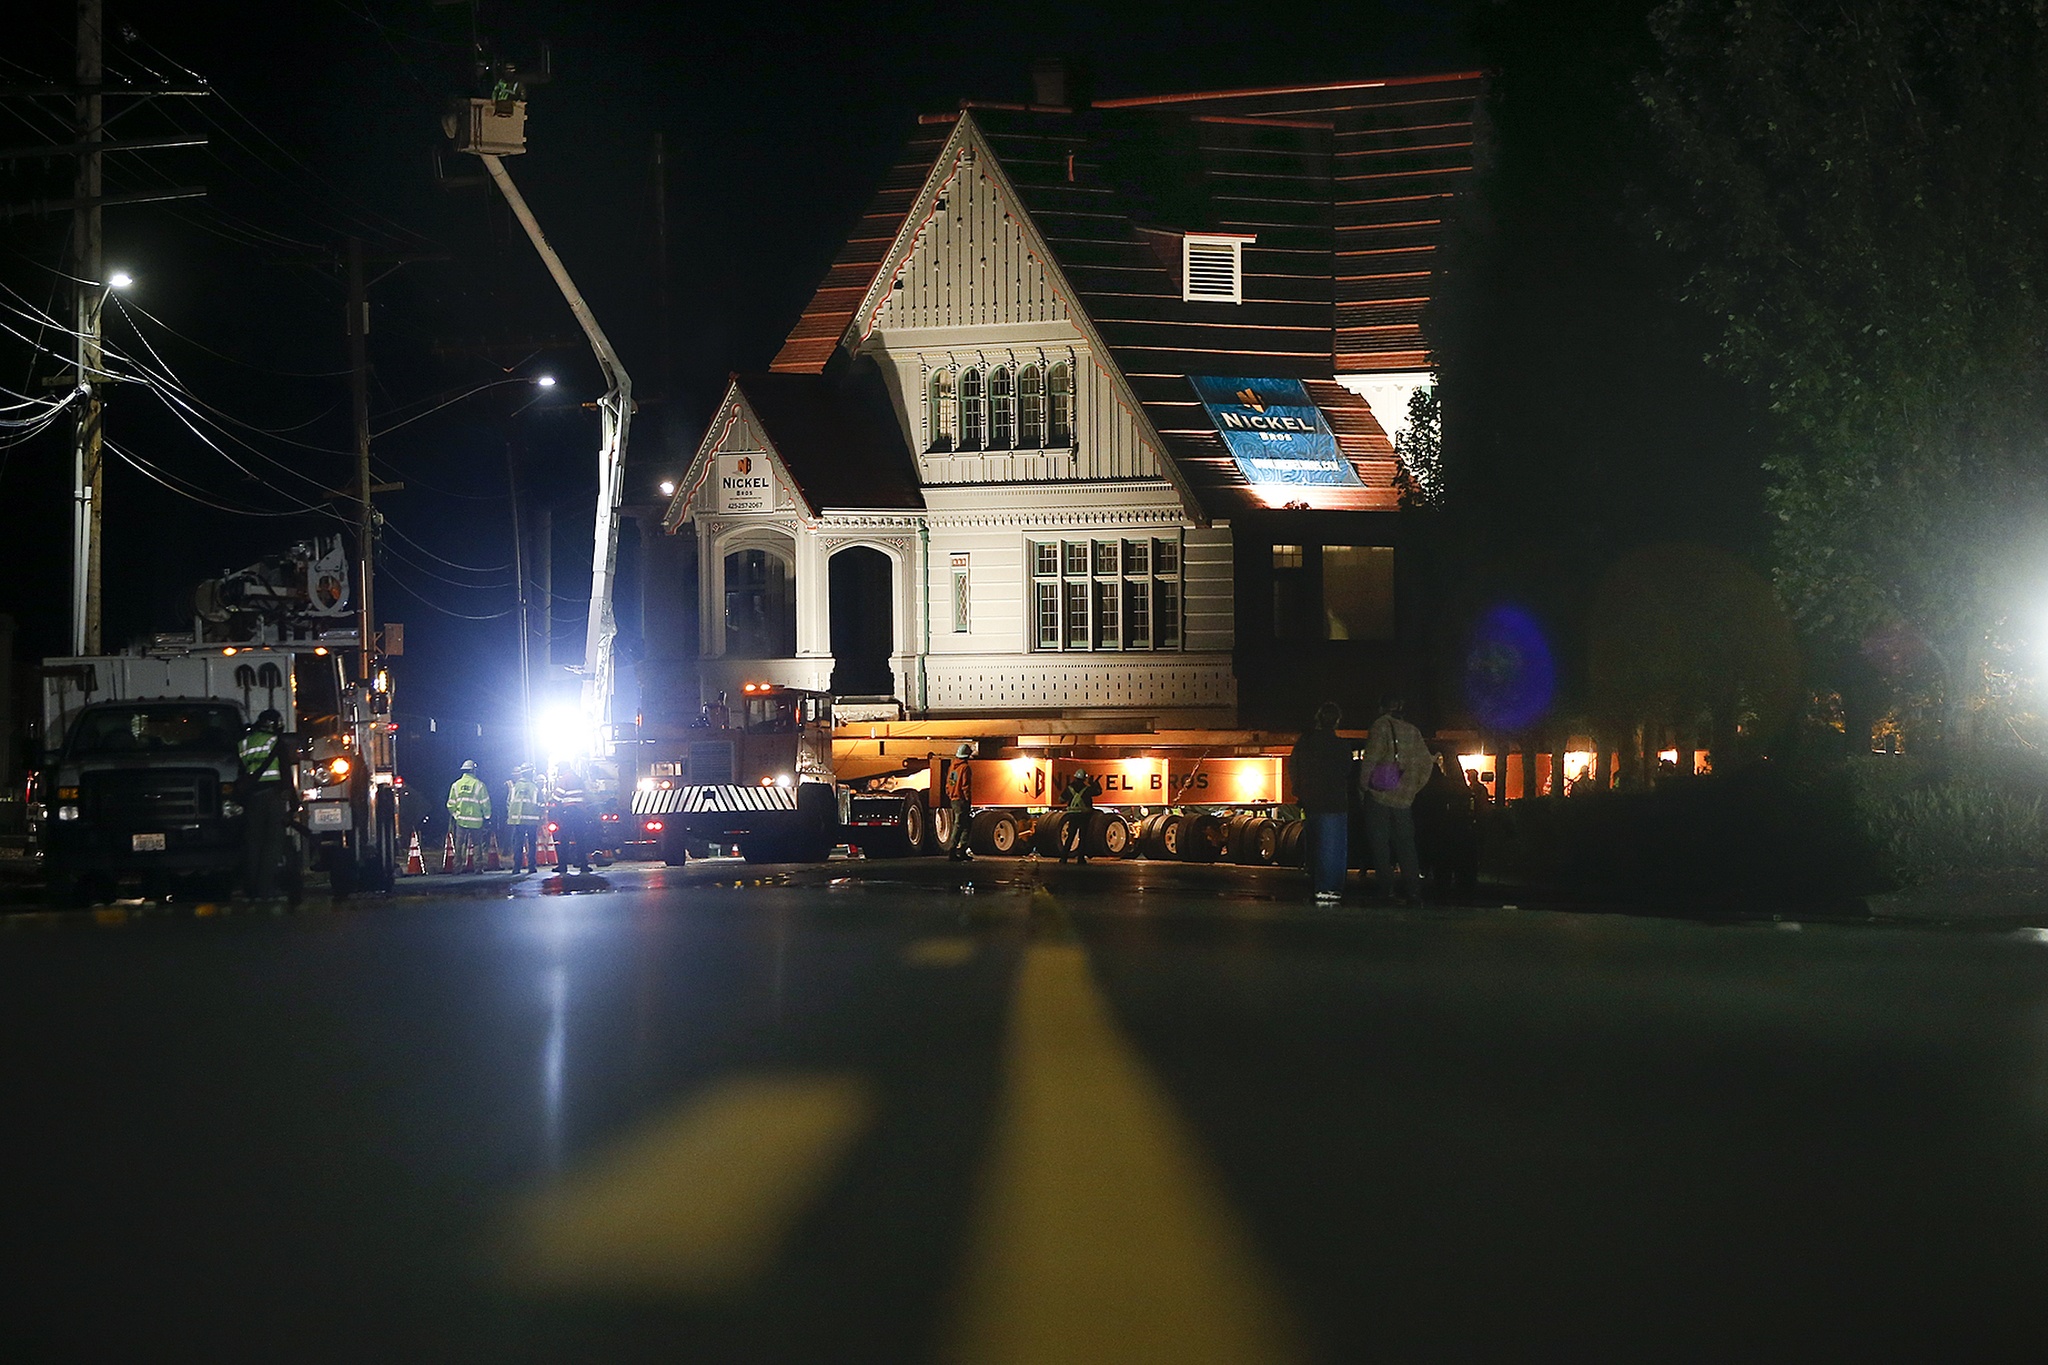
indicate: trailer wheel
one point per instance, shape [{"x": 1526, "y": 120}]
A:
[
  {"x": 1254, "y": 840},
  {"x": 995, "y": 833},
  {"x": 1046, "y": 831},
  {"x": 1202, "y": 838},
  {"x": 1288, "y": 854},
  {"x": 917, "y": 825},
  {"x": 1160, "y": 836},
  {"x": 674, "y": 851},
  {"x": 1108, "y": 836}
]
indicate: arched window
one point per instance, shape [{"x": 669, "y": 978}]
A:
[
  {"x": 1060, "y": 390},
  {"x": 973, "y": 416},
  {"x": 1030, "y": 408},
  {"x": 1002, "y": 408},
  {"x": 760, "y": 606},
  {"x": 940, "y": 414}
]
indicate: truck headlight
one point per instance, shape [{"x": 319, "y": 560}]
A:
[{"x": 67, "y": 812}]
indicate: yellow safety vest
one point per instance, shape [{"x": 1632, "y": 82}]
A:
[{"x": 469, "y": 801}]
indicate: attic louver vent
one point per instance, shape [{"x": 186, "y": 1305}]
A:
[{"x": 1212, "y": 268}]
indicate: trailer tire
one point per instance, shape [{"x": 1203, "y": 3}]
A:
[
  {"x": 1108, "y": 836},
  {"x": 1288, "y": 853},
  {"x": 1254, "y": 840},
  {"x": 674, "y": 851},
  {"x": 1046, "y": 833},
  {"x": 1202, "y": 838},
  {"x": 995, "y": 833},
  {"x": 1160, "y": 836}
]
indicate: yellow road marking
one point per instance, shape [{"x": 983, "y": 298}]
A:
[
  {"x": 699, "y": 1203},
  {"x": 1102, "y": 1234},
  {"x": 939, "y": 952}
]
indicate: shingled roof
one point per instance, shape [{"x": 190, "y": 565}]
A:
[
  {"x": 837, "y": 436},
  {"x": 1341, "y": 187}
]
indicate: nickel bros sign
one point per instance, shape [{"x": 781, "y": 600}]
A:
[
  {"x": 745, "y": 484},
  {"x": 1274, "y": 430}
]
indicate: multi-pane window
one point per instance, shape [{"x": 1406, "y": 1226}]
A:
[
  {"x": 973, "y": 413},
  {"x": 941, "y": 410},
  {"x": 1106, "y": 594},
  {"x": 1030, "y": 407},
  {"x": 1059, "y": 384},
  {"x": 1002, "y": 408}
]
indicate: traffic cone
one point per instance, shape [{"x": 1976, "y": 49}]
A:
[
  {"x": 547, "y": 856},
  {"x": 415, "y": 865},
  {"x": 448, "y": 854},
  {"x": 493, "y": 861}
]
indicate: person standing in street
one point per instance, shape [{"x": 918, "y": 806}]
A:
[
  {"x": 1397, "y": 765},
  {"x": 1321, "y": 764},
  {"x": 469, "y": 810},
  {"x": 522, "y": 818},
  {"x": 960, "y": 799},
  {"x": 1082, "y": 789},
  {"x": 262, "y": 793},
  {"x": 571, "y": 810}
]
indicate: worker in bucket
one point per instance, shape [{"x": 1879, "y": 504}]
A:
[{"x": 469, "y": 812}]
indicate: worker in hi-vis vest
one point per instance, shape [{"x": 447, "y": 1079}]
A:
[
  {"x": 522, "y": 818},
  {"x": 960, "y": 796},
  {"x": 469, "y": 811},
  {"x": 263, "y": 799}
]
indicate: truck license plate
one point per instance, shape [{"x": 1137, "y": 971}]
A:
[
  {"x": 330, "y": 815},
  {"x": 147, "y": 843}
]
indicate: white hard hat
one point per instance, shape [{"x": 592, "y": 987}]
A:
[
  {"x": 469, "y": 765},
  {"x": 965, "y": 750}
]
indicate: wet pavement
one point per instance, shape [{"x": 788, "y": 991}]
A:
[{"x": 902, "y": 1112}]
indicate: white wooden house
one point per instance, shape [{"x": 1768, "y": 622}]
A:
[{"x": 1009, "y": 463}]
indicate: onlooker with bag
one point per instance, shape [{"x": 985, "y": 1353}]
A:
[
  {"x": 1397, "y": 765},
  {"x": 1322, "y": 785}
]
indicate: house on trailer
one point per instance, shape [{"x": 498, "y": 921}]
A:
[{"x": 1091, "y": 418}]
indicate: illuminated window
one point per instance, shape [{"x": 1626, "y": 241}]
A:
[
  {"x": 1030, "y": 408},
  {"x": 973, "y": 413},
  {"x": 1105, "y": 594},
  {"x": 1002, "y": 408},
  {"x": 940, "y": 412},
  {"x": 1059, "y": 382}
]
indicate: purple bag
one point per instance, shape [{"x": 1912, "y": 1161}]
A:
[{"x": 1386, "y": 774}]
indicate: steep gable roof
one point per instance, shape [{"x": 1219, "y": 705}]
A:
[{"x": 834, "y": 438}]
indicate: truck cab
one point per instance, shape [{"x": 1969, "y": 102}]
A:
[
  {"x": 145, "y": 791},
  {"x": 755, "y": 771}
]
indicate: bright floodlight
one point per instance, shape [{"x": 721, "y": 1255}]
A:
[
  {"x": 668, "y": 488},
  {"x": 546, "y": 381},
  {"x": 563, "y": 733},
  {"x": 120, "y": 279}
]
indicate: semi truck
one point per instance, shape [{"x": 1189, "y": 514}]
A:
[{"x": 770, "y": 774}]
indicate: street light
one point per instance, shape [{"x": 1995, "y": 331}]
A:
[
  {"x": 546, "y": 381},
  {"x": 120, "y": 279},
  {"x": 668, "y": 488}
]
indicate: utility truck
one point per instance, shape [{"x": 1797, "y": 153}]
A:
[{"x": 138, "y": 767}]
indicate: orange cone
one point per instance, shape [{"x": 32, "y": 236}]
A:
[
  {"x": 493, "y": 862},
  {"x": 415, "y": 865},
  {"x": 448, "y": 854},
  {"x": 547, "y": 856}
]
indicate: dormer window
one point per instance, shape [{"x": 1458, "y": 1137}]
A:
[{"x": 1212, "y": 267}]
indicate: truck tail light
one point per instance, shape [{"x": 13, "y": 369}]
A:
[{"x": 653, "y": 826}]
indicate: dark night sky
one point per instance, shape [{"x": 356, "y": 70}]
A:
[
  {"x": 1579, "y": 402},
  {"x": 778, "y": 121}
]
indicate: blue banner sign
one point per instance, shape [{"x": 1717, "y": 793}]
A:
[{"x": 1274, "y": 431}]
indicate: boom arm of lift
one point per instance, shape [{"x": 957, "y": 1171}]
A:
[{"x": 617, "y": 411}]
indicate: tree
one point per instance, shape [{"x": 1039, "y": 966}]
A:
[
  {"x": 1420, "y": 446},
  {"x": 1861, "y": 191}
]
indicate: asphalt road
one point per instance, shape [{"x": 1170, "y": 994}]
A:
[{"x": 878, "y": 1112}]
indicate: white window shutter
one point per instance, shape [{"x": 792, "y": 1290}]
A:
[{"x": 1212, "y": 269}]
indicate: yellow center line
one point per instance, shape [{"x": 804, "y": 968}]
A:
[
  {"x": 940, "y": 952},
  {"x": 697, "y": 1204},
  {"x": 1102, "y": 1234}
]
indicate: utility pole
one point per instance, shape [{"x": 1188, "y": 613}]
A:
[
  {"x": 359, "y": 401},
  {"x": 88, "y": 257},
  {"x": 519, "y": 597}
]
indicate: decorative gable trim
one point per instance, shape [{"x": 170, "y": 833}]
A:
[
  {"x": 967, "y": 150},
  {"x": 733, "y": 412}
]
